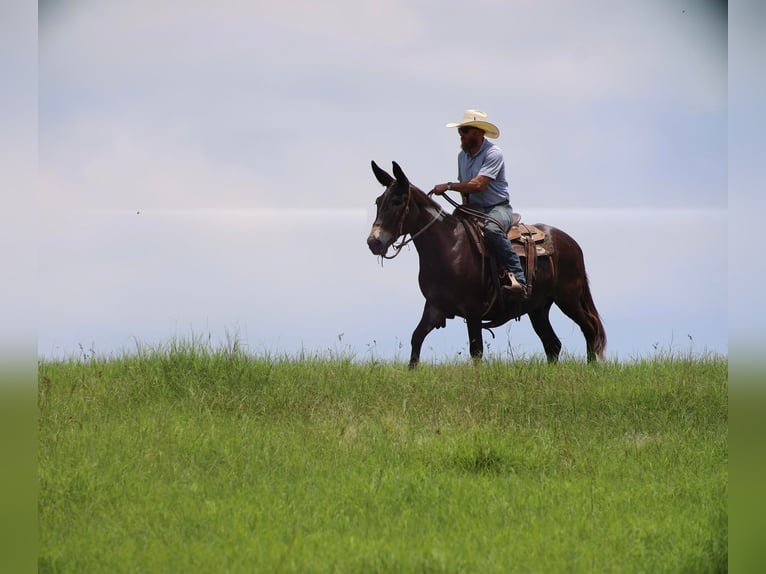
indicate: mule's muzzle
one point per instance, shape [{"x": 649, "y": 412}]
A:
[{"x": 376, "y": 245}]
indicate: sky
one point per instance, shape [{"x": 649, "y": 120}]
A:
[{"x": 204, "y": 168}]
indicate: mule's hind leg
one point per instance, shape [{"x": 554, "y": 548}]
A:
[
  {"x": 589, "y": 325},
  {"x": 432, "y": 318},
  {"x": 542, "y": 326}
]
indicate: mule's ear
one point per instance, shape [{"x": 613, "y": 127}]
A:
[
  {"x": 384, "y": 179},
  {"x": 400, "y": 177}
]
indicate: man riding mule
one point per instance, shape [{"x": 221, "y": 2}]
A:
[
  {"x": 484, "y": 188},
  {"x": 452, "y": 271}
]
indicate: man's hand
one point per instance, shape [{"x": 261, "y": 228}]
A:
[{"x": 439, "y": 188}]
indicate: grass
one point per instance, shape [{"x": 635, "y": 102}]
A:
[{"x": 186, "y": 458}]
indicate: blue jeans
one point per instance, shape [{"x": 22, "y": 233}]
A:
[{"x": 497, "y": 239}]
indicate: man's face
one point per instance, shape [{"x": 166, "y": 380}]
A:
[{"x": 470, "y": 138}]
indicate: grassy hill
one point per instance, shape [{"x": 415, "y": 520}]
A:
[{"x": 191, "y": 459}]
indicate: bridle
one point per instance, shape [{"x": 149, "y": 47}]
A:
[{"x": 403, "y": 242}]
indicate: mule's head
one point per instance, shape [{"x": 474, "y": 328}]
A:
[{"x": 392, "y": 209}]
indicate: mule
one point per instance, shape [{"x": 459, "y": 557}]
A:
[{"x": 453, "y": 273}]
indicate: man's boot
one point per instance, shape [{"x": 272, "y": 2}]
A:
[{"x": 513, "y": 288}]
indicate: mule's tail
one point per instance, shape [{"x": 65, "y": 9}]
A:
[{"x": 598, "y": 343}]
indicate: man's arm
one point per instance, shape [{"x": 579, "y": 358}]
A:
[{"x": 475, "y": 185}]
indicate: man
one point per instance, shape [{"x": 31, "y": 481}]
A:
[{"x": 482, "y": 183}]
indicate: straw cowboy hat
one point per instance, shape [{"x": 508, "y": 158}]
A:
[{"x": 477, "y": 119}]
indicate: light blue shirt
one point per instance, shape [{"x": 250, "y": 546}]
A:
[{"x": 489, "y": 162}]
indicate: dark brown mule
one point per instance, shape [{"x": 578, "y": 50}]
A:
[{"x": 451, "y": 273}]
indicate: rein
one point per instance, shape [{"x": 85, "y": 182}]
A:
[
  {"x": 398, "y": 248},
  {"x": 472, "y": 212}
]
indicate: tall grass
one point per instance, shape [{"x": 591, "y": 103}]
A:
[{"x": 187, "y": 458}]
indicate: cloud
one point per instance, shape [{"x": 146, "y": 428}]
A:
[{"x": 264, "y": 92}]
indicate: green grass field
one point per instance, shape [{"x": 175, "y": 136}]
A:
[{"x": 191, "y": 459}]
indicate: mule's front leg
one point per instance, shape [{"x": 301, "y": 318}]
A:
[
  {"x": 475, "y": 342},
  {"x": 432, "y": 318}
]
